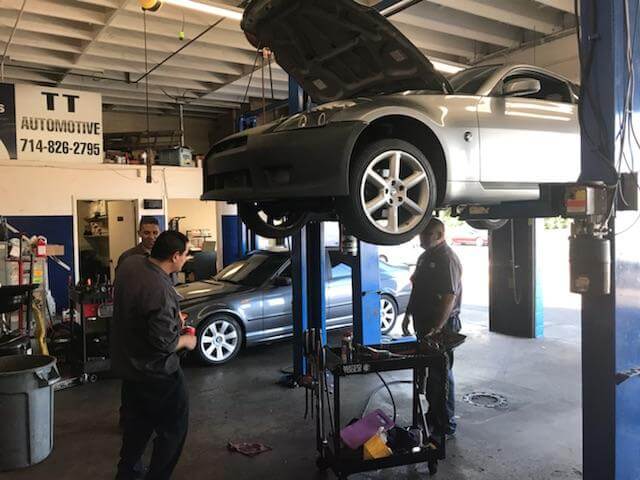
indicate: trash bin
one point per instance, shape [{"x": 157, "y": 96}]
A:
[{"x": 26, "y": 409}]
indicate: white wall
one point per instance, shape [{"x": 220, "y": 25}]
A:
[
  {"x": 41, "y": 189},
  {"x": 559, "y": 56},
  {"x": 198, "y": 214}
]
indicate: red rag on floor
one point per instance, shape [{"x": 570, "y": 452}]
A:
[{"x": 248, "y": 449}]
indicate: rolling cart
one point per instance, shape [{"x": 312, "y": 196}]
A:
[
  {"x": 325, "y": 362},
  {"x": 89, "y": 347}
]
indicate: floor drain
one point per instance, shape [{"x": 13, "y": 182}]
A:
[{"x": 486, "y": 399}]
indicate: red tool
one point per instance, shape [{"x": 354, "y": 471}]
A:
[{"x": 191, "y": 331}]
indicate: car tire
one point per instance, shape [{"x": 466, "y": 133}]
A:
[
  {"x": 406, "y": 188},
  {"x": 388, "y": 313},
  {"x": 220, "y": 339},
  {"x": 290, "y": 221},
  {"x": 488, "y": 224}
]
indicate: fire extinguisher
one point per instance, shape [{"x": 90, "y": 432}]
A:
[{"x": 41, "y": 247}]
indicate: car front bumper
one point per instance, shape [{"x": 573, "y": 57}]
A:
[{"x": 303, "y": 163}]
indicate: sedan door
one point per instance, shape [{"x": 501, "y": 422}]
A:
[
  {"x": 339, "y": 296},
  {"x": 533, "y": 138},
  {"x": 277, "y": 308}
]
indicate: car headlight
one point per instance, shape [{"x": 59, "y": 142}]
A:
[{"x": 316, "y": 118}]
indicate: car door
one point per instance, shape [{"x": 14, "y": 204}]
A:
[
  {"x": 277, "y": 307},
  {"x": 533, "y": 138}
]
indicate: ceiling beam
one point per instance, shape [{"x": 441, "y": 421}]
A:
[
  {"x": 566, "y": 6},
  {"x": 42, "y": 24},
  {"x": 462, "y": 24},
  {"x": 511, "y": 12},
  {"x": 58, "y": 10}
]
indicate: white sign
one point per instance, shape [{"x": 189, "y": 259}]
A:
[{"x": 58, "y": 125}]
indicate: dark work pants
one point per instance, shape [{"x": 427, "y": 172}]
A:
[
  {"x": 435, "y": 420},
  {"x": 161, "y": 407}
]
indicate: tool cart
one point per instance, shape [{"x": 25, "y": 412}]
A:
[{"x": 330, "y": 363}]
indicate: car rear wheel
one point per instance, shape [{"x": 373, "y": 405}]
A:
[
  {"x": 219, "y": 339},
  {"x": 388, "y": 314},
  {"x": 272, "y": 221},
  {"x": 393, "y": 193},
  {"x": 488, "y": 224}
]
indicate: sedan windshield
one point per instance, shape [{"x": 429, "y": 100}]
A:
[
  {"x": 252, "y": 271},
  {"x": 469, "y": 81}
]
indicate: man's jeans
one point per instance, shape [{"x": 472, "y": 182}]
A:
[{"x": 436, "y": 423}]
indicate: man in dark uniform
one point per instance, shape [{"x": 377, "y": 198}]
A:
[
  {"x": 435, "y": 306},
  {"x": 149, "y": 231},
  {"x": 146, "y": 336}
]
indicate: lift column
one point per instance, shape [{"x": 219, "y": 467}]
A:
[{"x": 610, "y": 323}]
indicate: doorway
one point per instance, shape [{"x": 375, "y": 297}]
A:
[{"x": 106, "y": 228}]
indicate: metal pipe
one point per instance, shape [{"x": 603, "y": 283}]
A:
[
  {"x": 388, "y": 8},
  {"x": 181, "y": 117},
  {"x": 13, "y": 31}
]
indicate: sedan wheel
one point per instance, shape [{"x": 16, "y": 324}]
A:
[
  {"x": 219, "y": 340},
  {"x": 388, "y": 314},
  {"x": 393, "y": 193}
]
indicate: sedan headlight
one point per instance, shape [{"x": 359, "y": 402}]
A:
[{"x": 316, "y": 118}]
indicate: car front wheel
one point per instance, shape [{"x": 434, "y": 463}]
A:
[
  {"x": 388, "y": 314},
  {"x": 393, "y": 193},
  {"x": 219, "y": 339}
]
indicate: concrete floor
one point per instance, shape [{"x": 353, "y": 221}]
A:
[{"x": 538, "y": 436}]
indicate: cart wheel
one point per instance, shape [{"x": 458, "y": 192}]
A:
[
  {"x": 93, "y": 378},
  {"x": 433, "y": 468},
  {"x": 322, "y": 464}
]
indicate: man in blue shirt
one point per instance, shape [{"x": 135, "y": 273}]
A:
[{"x": 435, "y": 306}]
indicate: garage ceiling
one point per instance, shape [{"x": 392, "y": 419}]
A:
[{"x": 98, "y": 45}]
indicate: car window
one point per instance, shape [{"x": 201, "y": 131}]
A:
[
  {"x": 552, "y": 89},
  {"x": 252, "y": 271},
  {"x": 340, "y": 271},
  {"x": 469, "y": 81}
]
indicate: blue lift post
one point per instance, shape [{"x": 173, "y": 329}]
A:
[
  {"x": 365, "y": 287},
  {"x": 610, "y": 323}
]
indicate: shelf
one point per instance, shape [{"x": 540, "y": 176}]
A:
[
  {"x": 96, "y": 236},
  {"x": 95, "y": 219}
]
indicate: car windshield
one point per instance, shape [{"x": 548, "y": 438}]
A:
[
  {"x": 252, "y": 271},
  {"x": 469, "y": 81}
]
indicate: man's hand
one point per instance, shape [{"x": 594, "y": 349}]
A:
[
  {"x": 183, "y": 319},
  {"x": 188, "y": 342},
  {"x": 405, "y": 325}
]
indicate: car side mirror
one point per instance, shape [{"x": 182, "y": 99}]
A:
[
  {"x": 282, "y": 281},
  {"x": 521, "y": 87}
]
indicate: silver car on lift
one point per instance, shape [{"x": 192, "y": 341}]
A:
[
  {"x": 249, "y": 302},
  {"x": 391, "y": 139}
]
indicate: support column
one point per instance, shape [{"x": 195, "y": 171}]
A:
[
  {"x": 365, "y": 287},
  {"x": 610, "y": 323},
  {"x": 515, "y": 306}
]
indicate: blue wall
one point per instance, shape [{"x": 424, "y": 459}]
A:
[{"x": 58, "y": 230}]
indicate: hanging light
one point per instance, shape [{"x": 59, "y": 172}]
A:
[{"x": 153, "y": 5}]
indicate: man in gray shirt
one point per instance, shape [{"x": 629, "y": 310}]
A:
[
  {"x": 435, "y": 306},
  {"x": 146, "y": 336},
  {"x": 148, "y": 231}
]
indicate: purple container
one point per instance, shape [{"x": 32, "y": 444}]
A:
[{"x": 357, "y": 434}]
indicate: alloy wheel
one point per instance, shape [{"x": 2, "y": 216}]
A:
[
  {"x": 387, "y": 314},
  {"x": 219, "y": 340},
  {"x": 394, "y": 192}
]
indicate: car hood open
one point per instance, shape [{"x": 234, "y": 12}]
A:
[{"x": 339, "y": 49}]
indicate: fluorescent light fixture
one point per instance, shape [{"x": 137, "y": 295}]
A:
[
  {"x": 227, "y": 12},
  {"x": 446, "y": 67}
]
